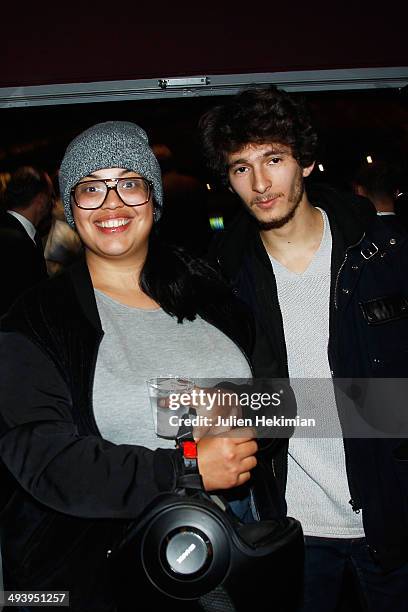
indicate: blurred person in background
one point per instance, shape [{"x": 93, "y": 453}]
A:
[
  {"x": 63, "y": 245},
  {"x": 380, "y": 182},
  {"x": 185, "y": 220},
  {"x": 28, "y": 202}
]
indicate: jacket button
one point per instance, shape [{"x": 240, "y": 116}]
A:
[
  {"x": 345, "y": 291},
  {"x": 393, "y": 241},
  {"x": 354, "y": 267}
]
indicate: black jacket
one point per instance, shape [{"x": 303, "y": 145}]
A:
[
  {"x": 67, "y": 494},
  {"x": 369, "y": 272},
  {"x": 22, "y": 263}
]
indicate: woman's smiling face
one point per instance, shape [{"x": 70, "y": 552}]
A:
[{"x": 114, "y": 230}]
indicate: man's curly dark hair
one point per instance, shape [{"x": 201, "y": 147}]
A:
[{"x": 257, "y": 115}]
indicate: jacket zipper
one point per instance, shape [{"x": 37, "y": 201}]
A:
[
  {"x": 336, "y": 284},
  {"x": 356, "y": 505},
  {"x": 273, "y": 467}
]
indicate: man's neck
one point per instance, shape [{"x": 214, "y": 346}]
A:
[{"x": 295, "y": 243}]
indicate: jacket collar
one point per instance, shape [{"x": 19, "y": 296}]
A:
[
  {"x": 10, "y": 222},
  {"x": 28, "y": 226}
]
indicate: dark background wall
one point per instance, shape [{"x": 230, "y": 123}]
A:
[{"x": 72, "y": 42}]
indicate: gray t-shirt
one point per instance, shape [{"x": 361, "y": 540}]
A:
[{"x": 140, "y": 344}]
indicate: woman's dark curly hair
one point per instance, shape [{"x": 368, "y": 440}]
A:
[{"x": 257, "y": 115}]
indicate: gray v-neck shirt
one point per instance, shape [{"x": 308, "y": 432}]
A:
[{"x": 317, "y": 490}]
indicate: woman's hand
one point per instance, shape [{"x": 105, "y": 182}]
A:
[{"x": 226, "y": 461}]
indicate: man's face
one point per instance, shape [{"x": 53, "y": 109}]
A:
[{"x": 269, "y": 181}]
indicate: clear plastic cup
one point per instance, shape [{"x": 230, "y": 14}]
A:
[{"x": 168, "y": 390}]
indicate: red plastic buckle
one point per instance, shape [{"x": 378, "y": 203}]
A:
[{"x": 189, "y": 450}]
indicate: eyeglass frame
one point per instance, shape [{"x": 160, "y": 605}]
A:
[{"x": 115, "y": 187}]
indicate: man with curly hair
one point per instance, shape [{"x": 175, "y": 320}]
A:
[{"x": 327, "y": 283}]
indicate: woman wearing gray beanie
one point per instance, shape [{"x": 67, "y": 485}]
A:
[{"x": 81, "y": 458}]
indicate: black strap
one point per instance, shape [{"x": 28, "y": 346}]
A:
[
  {"x": 190, "y": 478},
  {"x": 190, "y": 481}
]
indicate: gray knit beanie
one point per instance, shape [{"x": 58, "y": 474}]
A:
[{"x": 114, "y": 144}]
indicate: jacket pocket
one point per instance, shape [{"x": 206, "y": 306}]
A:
[
  {"x": 385, "y": 309},
  {"x": 384, "y": 328}
]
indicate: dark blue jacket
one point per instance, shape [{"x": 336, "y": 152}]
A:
[{"x": 368, "y": 340}]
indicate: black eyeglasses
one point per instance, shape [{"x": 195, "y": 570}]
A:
[{"x": 132, "y": 190}]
